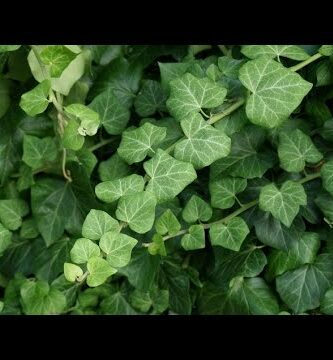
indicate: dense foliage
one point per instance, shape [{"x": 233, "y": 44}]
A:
[{"x": 166, "y": 179}]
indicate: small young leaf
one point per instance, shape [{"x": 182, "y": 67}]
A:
[
  {"x": 99, "y": 271},
  {"x": 11, "y": 213},
  {"x": 326, "y": 50},
  {"x": 167, "y": 223},
  {"x": 72, "y": 272},
  {"x": 195, "y": 239},
  {"x": 57, "y": 57},
  {"x": 72, "y": 139},
  {"x": 89, "y": 119},
  {"x": 157, "y": 246},
  {"x": 36, "y": 100},
  {"x": 83, "y": 250},
  {"x": 196, "y": 209}
]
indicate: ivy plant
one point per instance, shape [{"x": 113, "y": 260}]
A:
[{"x": 166, "y": 179}]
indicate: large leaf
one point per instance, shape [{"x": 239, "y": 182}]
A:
[{"x": 289, "y": 51}]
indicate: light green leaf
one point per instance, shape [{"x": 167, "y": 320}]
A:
[
  {"x": 114, "y": 115},
  {"x": 195, "y": 239},
  {"x": 289, "y": 51},
  {"x": 168, "y": 176},
  {"x": 294, "y": 149},
  {"x": 72, "y": 272},
  {"x": 190, "y": 94},
  {"x": 118, "y": 248},
  {"x": 37, "y": 152},
  {"x": 223, "y": 192},
  {"x": 99, "y": 270},
  {"x": 89, "y": 119},
  {"x": 137, "y": 144},
  {"x": 283, "y": 203},
  {"x": 5, "y": 238},
  {"x": 326, "y": 172},
  {"x": 196, "y": 209},
  {"x": 113, "y": 168},
  {"x": 97, "y": 223},
  {"x": 303, "y": 288},
  {"x": 72, "y": 139},
  {"x": 204, "y": 143},
  {"x": 83, "y": 250},
  {"x": 303, "y": 252},
  {"x": 150, "y": 99},
  {"x": 57, "y": 57},
  {"x": 167, "y": 223},
  {"x": 4, "y": 48},
  {"x": 157, "y": 246},
  {"x": 11, "y": 213},
  {"x": 326, "y": 304},
  {"x": 36, "y": 100},
  {"x": 230, "y": 235},
  {"x": 326, "y": 50},
  {"x": 109, "y": 191},
  {"x": 138, "y": 211},
  {"x": 276, "y": 91},
  {"x": 38, "y": 298}
]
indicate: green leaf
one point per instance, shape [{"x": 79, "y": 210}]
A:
[
  {"x": 289, "y": 51},
  {"x": 37, "y": 152},
  {"x": 116, "y": 304},
  {"x": 109, "y": 191},
  {"x": 190, "y": 94},
  {"x": 57, "y": 57},
  {"x": 72, "y": 272},
  {"x": 171, "y": 71},
  {"x": 168, "y": 176},
  {"x": 38, "y": 298},
  {"x": 204, "y": 143},
  {"x": 5, "y": 238},
  {"x": 83, "y": 250},
  {"x": 4, "y": 48},
  {"x": 167, "y": 223},
  {"x": 326, "y": 172},
  {"x": 98, "y": 223},
  {"x": 325, "y": 203},
  {"x": 195, "y": 239},
  {"x": 150, "y": 99},
  {"x": 137, "y": 144},
  {"x": 72, "y": 139},
  {"x": 283, "y": 203},
  {"x": 303, "y": 252},
  {"x": 326, "y": 304},
  {"x": 138, "y": 211},
  {"x": 113, "y": 168},
  {"x": 295, "y": 148},
  {"x": 223, "y": 192},
  {"x": 36, "y": 100},
  {"x": 89, "y": 119},
  {"x": 113, "y": 114},
  {"x": 230, "y": 235},
  {"x": 303, "y": 288},
  {"x": 275, "y": 91},
  {"x": 157, "y": 246},
  {"x": 11, "y": 213},
  {"x": 4, "y": 96},
  {"x": 99, "y": 271},
  {"x": 196, "y": 209},
  {"x": 118, "y": 248},
  {"x": 326, "y": 50},
  {"x": 141, "y": 300}
]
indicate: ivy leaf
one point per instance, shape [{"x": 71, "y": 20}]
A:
[
  {"x": 171, "y": 71},
  {"x": 89, "y": 119},
  {"x": 38, "y": 298},
  {"x": 196, "y": 209},
  {"x": 137, "y": 144},
  {"x": 157, "y": 246},
  {"x": 37, "y": 152},
  {"x": 109, "y": 191},
  {"x": 283, "y": 203},
  {"x": 167, "y": 223},
  {"x": 98, "y": 223},
  {"x": 113, "y": 168},
  {"x": 204, "y": 143},
  {"x": 168, "y": 176},
  {"x": 72, "y": 139},
  {"x": 326, "y": 304},
  {"x": 4, "y": 48},
  {"x": 83, "y": 250},
  {"x": 223, "y": 192},
  {"x": 11, "y": 213},
  {"x": 230, "y": 67},
  {"x": 295, "y": 148},
  {"x": 57, "y": 57},
  {"x": 114, "y": 115},
  {"x": 326, "y": 172},
  {"x": 303, "y": 288},
  {"x": 230, "y": 235},
  {"x": 5, "y": 238},
  {"x": 72, "y": 272},
  {"x": 246, "y": 159},
  {"x": 289, "y": 51},
  {"x": 118, "y": 248},
  {"x": 326, "y": 50},
  {"x": 150, "y": 99},
  {"x": 36, "y": 100},
  {"x": 195, "y": 239},
  {"x": 303, "y": 252},
  {"x": 99, "y": 270},
  {"x": 116, "y": 304},
  {"x": 138, "y": 211},
  {"x": 276, "y": 91},
  {"x": 190, "y": 94}
]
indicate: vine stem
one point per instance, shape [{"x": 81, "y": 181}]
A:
[
  {"x": 65, "y": 172},
  {"x": 305, "y": 62},
  {"x": 226, "y": 112},
  {"x": 101, "y": 144},
  {"x": 238, "y": 211}
]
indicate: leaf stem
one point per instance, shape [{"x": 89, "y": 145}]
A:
[
  {"x": 65, "y": 172},
  {"x": 305, "y": 62},
  {"x": 213, "y": 119},
  {"x": 101, "y": 144}
]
